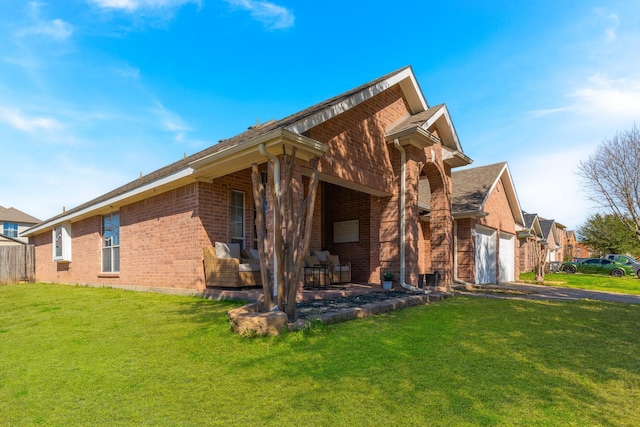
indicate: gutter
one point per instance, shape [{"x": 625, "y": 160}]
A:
[{"x": 403, "y": 209}]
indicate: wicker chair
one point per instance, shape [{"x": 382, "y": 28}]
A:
[{"x": 229, "y": 272}]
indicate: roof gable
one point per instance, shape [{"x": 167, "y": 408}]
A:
[
  {"x": 435, "y": 120},
  {"x": 472, "y": 188},
  {"x": 15, "y": 215}
]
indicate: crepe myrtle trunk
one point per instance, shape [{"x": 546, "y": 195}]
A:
[
  {"x": 540, "y": 255},
  {"x": 611, "y": 177},
  {"x": 292, "y": 233}
]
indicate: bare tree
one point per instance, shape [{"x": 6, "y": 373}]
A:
[
  {"x": 292, "y": 234},
  {"x": 611, "y": 175}
]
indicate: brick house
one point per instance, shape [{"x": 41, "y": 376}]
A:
[
  {"x": 552, "y": 233},
  {"x": 486, "y": 212},
  {"x": 529, "y": 236},
  {"x": 375, "y": 143}
]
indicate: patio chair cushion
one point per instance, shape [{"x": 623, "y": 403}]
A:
[
  {"x": 322, "y": 255},
  {"x": 228, "y": 250},
  {"x": 333, "y": 259},
  {"x": 249, "y": 267},
  {"x": 312, "y": 260}
]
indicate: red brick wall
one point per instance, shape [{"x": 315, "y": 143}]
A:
[
  {"x": 161, "y": 238},
  {"x": 357, "y": 148},
  {"x": 86, "y": 256},
  {"x": 527, "y": 254},
  {"x": 343, "y": 204},
  {"x": 466, "y": 249},
  {"x": 359, "y": 153}
]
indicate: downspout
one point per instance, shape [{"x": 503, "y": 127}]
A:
[
  {"x": 403, "y": 209},
  {"x": 276, "y": 183}
]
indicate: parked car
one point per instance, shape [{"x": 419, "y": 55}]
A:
[
  {"x": 625, "y": 259},
  {"x": 598, "y": 266}
]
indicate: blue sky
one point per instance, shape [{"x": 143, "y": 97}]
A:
[{"x": 95, "y": 92}]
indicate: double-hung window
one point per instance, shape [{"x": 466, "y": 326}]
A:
[
  {"x": 111, "y": 243},
  {"x": 10, "y": 229},
  {"x": 237, "y": 218}
]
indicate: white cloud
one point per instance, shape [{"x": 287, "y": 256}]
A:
[
  {"x": 612, "y": 24},
  {"x": 605, "y": 96},
  {"x": 602, "y": 97},
  {"x": 271, "y": 15},
  {"x": 56, "y": 29},
  {"x": 133, "y": 5},
  {"x": 20, "y": 121}
]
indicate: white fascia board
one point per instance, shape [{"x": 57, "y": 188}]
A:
[
  {"x": 513, "y": 196},
  {"x": 275, "y": 136},
  {"x": 184, "y": 173},
  {"x": 409, "y": 86},
  {"x": 443, "y": 112}
]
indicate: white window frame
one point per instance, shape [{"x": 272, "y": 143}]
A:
[
  {"x": 238, "y": 238},
  {"x": 107, "y": 246},
  {"x": 11, "y": 229},
  {"x": 61, "y": 239}
]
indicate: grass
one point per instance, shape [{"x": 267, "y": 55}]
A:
[
  {"x": 594, "y": 282},
  {"x": 86, "y": 356}
]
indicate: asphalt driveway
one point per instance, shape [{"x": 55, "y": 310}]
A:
[{"x": 526, "y": 291}]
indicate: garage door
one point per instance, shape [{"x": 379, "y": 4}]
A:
[
  {"x": 507, "y": 258},
  {"x": 485, "y": 256}
]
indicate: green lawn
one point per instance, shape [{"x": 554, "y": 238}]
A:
[
  {"x": 594, "y": 282},
  {"x": 86, "y": 356}
]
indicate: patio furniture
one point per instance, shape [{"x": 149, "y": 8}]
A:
[
  {"x": 225, "y": 268},
  {"x": 340, "y": 271},
  {"x": 317, "y": 276}
]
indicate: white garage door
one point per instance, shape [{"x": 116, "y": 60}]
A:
[
  {"x": 485, "y": 256},
  {"x": 507, "y": 258}
]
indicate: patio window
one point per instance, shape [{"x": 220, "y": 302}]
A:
[
  {"x": 10, "y": 229},
  {"x": 62, "y": 243},
  {"x": 237, "y": 218},
  {"x": 111, "y": 243}
]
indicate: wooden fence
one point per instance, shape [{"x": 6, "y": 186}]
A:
[{"x": 17, "y": 264}]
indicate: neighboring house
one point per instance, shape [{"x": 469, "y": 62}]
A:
[
  {"x": 12, "y": 223},
  {"x": 486, "y": 214},
  {"x": 529, "y": 237},
  {"x": 374, "y": 144},
  {"x": 552, "y": 235},
  {"x": 583, "y": 251},
  {"x": 570, "y": 245},
  {"x": 561, "y": 253}
]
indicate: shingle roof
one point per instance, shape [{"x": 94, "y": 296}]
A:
[
  {"x": 224, "y": 144},
  {"x": 546, "y": 225},
  {"x": 15, "y": 215},
  {"x": 470, "y": 187},
  {"x": 528, "y": 219},
  {"x": 415, "y": 120}
]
